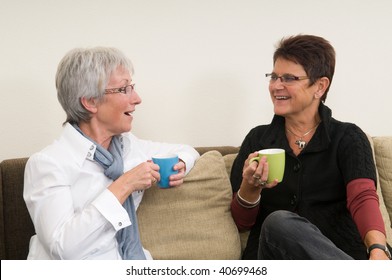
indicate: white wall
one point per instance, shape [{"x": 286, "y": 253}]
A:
[{"x": 199, "y": 64}]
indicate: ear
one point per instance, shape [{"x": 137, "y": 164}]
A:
[
  {"x": 322, "y": 85},
  {"x": 90, "y": 104}
]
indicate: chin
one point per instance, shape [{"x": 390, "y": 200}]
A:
[
  {"x": 125, "y": 129},
  {"x": 279, "y": 112}
]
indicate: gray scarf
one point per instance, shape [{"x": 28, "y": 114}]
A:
[{"x": 111, "y": 160}]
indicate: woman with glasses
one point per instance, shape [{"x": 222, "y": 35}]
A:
[
  {"x": 326, "y": 206},
  {"x": 83, "y": 190}
]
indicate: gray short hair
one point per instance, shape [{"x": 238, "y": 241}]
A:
[{"x": 84, "y": 72}]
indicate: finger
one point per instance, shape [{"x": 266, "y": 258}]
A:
[
  {"x": 154, "y": 166},
  {"x": 260, "y": 183},
  {"x": 265, "y": 171},
  {"x": 261, "y": 166},
  {"x": 248, "y": 160},
  {"x": 176, "y": 183},
  {"x": 179, "y": 176},
  {"x": 258, "y": 169},
  {"x": 179, "y": 166},
  {"x": 254, "y": 164},
  {"x": 252, "y": 155},
  {"x": 155, "y": 175},
  {"x": 249, "y": 171}
]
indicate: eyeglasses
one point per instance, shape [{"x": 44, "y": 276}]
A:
[
  {"x": 124, "y": 90},
  {"x": 285, "y": 78}
]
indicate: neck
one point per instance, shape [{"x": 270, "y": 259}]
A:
[
  {"x": 300, "y": 137},
  {"x": 95, "y": 134},
  {"x": 302, "y": 132}
]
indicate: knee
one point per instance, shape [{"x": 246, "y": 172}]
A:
[
  {"x": 275, "y": 228},
  {"x": 278, "y": 221}
]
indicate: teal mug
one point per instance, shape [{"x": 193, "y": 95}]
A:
[{"x": 166, "y": 164}]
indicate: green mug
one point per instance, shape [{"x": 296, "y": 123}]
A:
[{"x": 276, "y": 163}]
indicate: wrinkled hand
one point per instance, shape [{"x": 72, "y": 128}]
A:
[
  {"x": 177, "y": 179},
  {"x": 139, "y": 178},
  {"x": 142, "y": 176},
  {"x": 255, "y": 174}
]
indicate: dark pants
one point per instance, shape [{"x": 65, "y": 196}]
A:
[{"x": 287, "y": 236}]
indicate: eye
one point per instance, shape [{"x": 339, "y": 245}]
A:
[
  {"x": 123, "y": 90},
  {"x": 274, "y": 77},
  {"x": 289, "y": 78},
  {"x": 130, "y": 88}
]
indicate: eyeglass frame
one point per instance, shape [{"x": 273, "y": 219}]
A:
[
  {"x": 122, "y": 90},
  {"x": 285, "y": 78}
]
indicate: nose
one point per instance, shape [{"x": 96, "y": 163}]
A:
[
  {"x": 135, "y": 98},
  {"x": 278, "y": 84}
]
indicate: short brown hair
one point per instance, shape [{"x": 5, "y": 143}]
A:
[{"x": 315, "y": 54}]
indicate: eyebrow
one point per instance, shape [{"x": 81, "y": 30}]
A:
[
  {"x": 290, "y": 74},
  {"x": 125, "y": 80}
]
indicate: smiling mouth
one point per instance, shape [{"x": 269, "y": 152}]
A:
[
  {"x": 129, "y": 114},
  {"x": 281, "y": 97}
]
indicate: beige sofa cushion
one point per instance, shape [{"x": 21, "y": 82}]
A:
[
  {"x": 192, "y": 221},
  {"x": 383, "y": 151},
  {"x": 229, "y": 159}
]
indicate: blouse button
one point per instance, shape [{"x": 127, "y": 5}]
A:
[
  {"x": 293, "y": 200},
  {"x": 297, "y": 167}
]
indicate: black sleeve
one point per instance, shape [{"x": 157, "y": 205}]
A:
[{"x": 356, "y": 156}]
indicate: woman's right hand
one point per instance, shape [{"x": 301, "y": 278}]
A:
[
  {"x": 254, "y": 178},
  {"x": 255, "y": 172},
  {"x": 138, "y": 178}
]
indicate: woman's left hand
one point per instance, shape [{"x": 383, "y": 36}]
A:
[{"x": 178, "y": 179}]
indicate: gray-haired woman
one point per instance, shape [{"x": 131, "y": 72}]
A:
[{"x": 83, "y": 190}]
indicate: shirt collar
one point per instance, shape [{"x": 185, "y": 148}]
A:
[{"x": 85, "y": 148}]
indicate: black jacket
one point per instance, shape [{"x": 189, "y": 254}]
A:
[{"x": 314, "y": 183}]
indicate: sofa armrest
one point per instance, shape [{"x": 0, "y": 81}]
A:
[{"x": 17, "y": 227}]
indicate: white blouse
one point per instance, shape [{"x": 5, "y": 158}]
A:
[{"x": 65, "y": 190}]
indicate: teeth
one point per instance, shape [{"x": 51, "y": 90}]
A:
[{"x": 281, "y": 97}]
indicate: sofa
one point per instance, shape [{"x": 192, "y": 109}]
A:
[{"x": 189, "y": 222}]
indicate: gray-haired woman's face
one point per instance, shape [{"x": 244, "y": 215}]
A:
[{"x": 114, "y": 115}]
